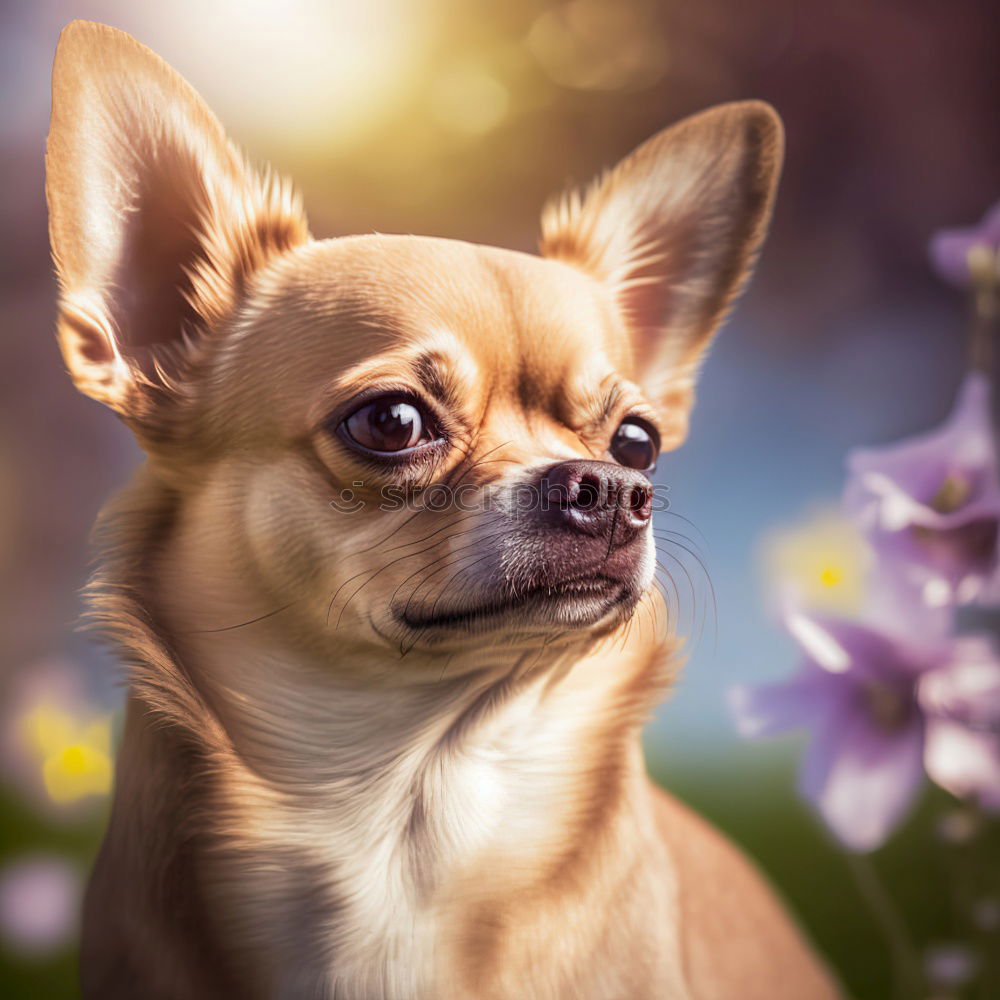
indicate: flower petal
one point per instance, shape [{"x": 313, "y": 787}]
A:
[
  {"x": 949, "y": 253},
  {"x": 910, "y": 472},
  {"x": 776, "y": 708},
  {"x": 964, "y": 761},
  {"x": 819, "y": 644},
  {"x": 949, "y": 248},
  {"x": 840, "y": 646},
  {"x": 930, "y": 505},
  {"x": 965, "y": 688},
  {"x": 862, "y": 780}
]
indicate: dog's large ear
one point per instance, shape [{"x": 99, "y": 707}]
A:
[
  {"x": 155, "y": 219},
  {"x": 673, "y": 231}
]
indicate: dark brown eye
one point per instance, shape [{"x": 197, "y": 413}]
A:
[
  {"x": 635, "y": 445},
  {"x": 389, "y": 425}
]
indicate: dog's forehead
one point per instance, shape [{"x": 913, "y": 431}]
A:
[{"x": 338, "y": 306}]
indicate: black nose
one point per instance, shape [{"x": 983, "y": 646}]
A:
[{"x": 596, "y": 498}]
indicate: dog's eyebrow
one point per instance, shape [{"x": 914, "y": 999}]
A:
[
  {"x": 600, "y": 407},
  {"x": 612, "y": 401},
  {"x": 430, "y": 369}
]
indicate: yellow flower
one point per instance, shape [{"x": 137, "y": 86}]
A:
[
  {"x": 822, "y": 560},
  {"x": 73, "y": 751}
]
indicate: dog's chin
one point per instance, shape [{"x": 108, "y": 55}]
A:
[{"x": 592, "y": 603}]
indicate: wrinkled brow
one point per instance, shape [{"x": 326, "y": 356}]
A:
[
  {"x": 434, "y": 372},
  {"x": 590, "y": 410}
]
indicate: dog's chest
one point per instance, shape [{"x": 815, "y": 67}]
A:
[
  {"x": 348, "y": 900},
  {"x": 348, "y": 874},
  {"x": 368, "y": 934}
]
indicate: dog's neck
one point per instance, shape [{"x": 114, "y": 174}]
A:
[
  {"x": 388, "y": 785},
  {"x": 390, "y": 798}
]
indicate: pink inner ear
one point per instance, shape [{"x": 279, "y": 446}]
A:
[
  {"x": 161, "y": 247},
  {"x": 644, "y": 296},
  {"x": 660, "y": 267}
]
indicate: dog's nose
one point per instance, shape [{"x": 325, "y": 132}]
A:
[{"x": 596, "y": 498}]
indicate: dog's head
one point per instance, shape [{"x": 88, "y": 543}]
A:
[{"x": 404, "y": 440}]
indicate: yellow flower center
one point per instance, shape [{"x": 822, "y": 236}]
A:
[
  {"x": 952, "y": 493},
  {"x": 73, "y": 753}
]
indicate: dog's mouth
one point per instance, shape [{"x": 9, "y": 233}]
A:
[{"x": 572, "y": 604}]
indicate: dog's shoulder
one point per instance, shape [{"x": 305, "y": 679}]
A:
[{"x": 736, "y": 938}]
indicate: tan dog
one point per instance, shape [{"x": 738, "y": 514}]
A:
[{"x": 378, "y": 747}]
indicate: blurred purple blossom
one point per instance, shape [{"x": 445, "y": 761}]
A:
[
  {"x": 963, "y": 744},
  {"x": 950, "y": 248},
  {"x": 859, "y": 691},
  {"x": 930, "y": 505},
  {"x": 39, "y": 899},
  {"x": 949, "y": 965}
]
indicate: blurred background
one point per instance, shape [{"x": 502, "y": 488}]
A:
[{"x": 459, "y": 119}]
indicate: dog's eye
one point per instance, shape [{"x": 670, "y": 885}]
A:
[
  {"x": 635, "y": 445},
  {"x": 389, "y": 425}
]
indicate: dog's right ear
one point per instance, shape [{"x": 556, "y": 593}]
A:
[
  {"x": 155, "y": 219},
  {"x": 673, "y": 232}
]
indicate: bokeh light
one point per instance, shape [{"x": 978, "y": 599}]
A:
[
  {"x": 820, "y": 562},
  {"x": 39, "y": 903},
  {"x": 321, "y": 73},
  {"x": 467, "y": 98},
  {"x": 599, "y": 45},
  {"x": 74, "y": 751},
  {"x": 57, "y": 739}
]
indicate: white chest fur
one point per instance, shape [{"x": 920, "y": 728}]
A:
[{"x": 340, "y": 860}]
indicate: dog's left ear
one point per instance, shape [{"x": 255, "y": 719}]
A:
[{"x": 673, "y": 231}]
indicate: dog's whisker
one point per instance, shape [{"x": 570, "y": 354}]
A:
[
  {"x": 693, "y": 552},
  {"x": 392, "y": 534},
  {"x": 673, "y": 543},
  {"x": 445, "y": 665},
  {"x": 666, "y": 535},
  {"x": 484, "y": 539},
  {"x": 252, "y": 621},
  {"x": 669, "y": 512},
  {"x": 477, "y": 560},
  {"x": 480, "y": 461},
  {"x": 444, "y": 527},
  {"x": 671, "y": 597},
  {"x": 453, "y": 578},
  {"x": 661, "y": 588},
  {"x": 379, "y": 571},
  {"x": 690, "y": 583},
  {"x": 698, "y": 624}
]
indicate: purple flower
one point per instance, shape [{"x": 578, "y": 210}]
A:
[
  {"x": 39, "y": 898},
  {"x": 963, "y": 744},
  {"x": 859, "y": 690},
  {"x": 950, "y": 248},
  {"x": 950, "y": 965},
  {"x": 930, "y": 506}
]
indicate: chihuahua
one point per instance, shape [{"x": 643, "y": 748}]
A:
[{"x": 385, "y": 583}]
